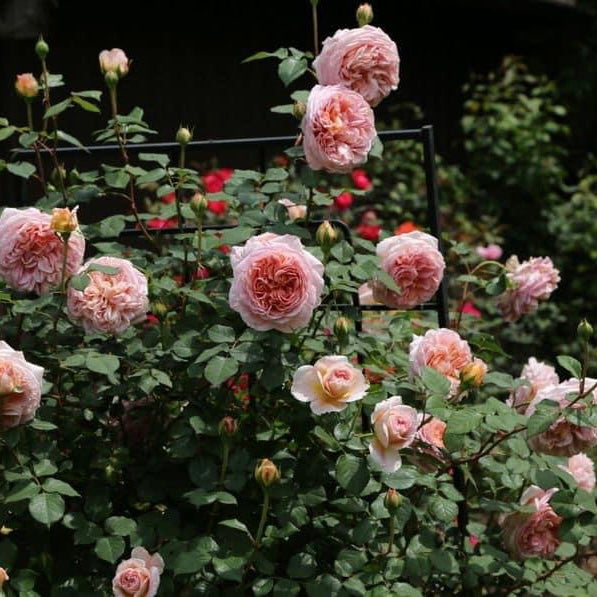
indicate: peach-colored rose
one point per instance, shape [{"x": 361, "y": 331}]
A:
[
  {"x": 20, "y": 387},
  {"x": 395, "y": 427},
  {"x": 533, "y": 534},
  {"x": 114, "y": 61},
  {"x": 64, "y": 220},
  {"x": 415, "y": 264},
  {"x": 338, "y": 129},
  {"x": 111, "y": 302},
  {"x": 429, "y": 441},
  {"x": 432, "y": 432},
  {"x": 294, "y": 211},
  {"x": 563, "y": 438},
  {"x": 31, "y": 253},
  {"x": 443, "y": 350},
  {"x": 27, "y": 85},
  {"x": 533, "y": 281},
  {"x": 472, "y": 375},
  {"x": 277, "y": 284},
  {"x": 329, "y": 385},
  {"x": 138, "y": 576},
  {"x": 582, "y": 469},
  {"x": 3, "y": 577},
  {"x": 365, "y": 60},
  {"x": 539, "y": 375}
]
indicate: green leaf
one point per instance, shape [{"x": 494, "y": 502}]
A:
[
  {"x": 301, "y": 565},
  {"x": 22, "y": 491},
  {"x": 237, "y": 525},
  {"x": 7, "y": 132},
  {"x": 387, "y": 280},
  {"x": 104, "y": 269},
  {"x": 219, "y": 369},
  {"x": 102, "y": 363},
  {"x": 352, "y": 473},
  {"x": 435, "y": 382},
  {"x": 22, "y": 169},
  {"x": 443, "y": 509},
  {"x": 262, "y": 586},
  {"x": 545, "y": 414},
  {"x": 291, "y": 69},
  {"x": 281, "y": 53},
  {"x": 152, "y": 176},
  {"x": 231, "y": 568},
  {"x": 501, "y": 380},
  {"x": 47, "y": 508},
  {"x": 376, "y": 150},
  {"x": 120, "y": 525},
  {"x": 571, "y": 365},
  {"x": 117, "y": 179},
  {"x": 88, "y": 106},
  {"x": 90, "y": 93},
  {"x": 109, "y": 548},
  {"x": 161, "y": 158},
  {"x": 444, "y": 561},
  {"x": 58, "y": 108},
  {"x": 44, "y": 467},
  {"x": 191, "y": 561},
  {"x": 70, "y": 140},
  {"x": 80, "y": 282},
  {"x": 43, "y": 425},
  {"x": 221, "y": 333},
  {"x": 57, "y": 486},
  {"x": 463, "y": 421},
  {"x": 286, "y": 588}
]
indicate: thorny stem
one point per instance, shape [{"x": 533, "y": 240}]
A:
[
  {"x": 315, "y": 27},
  {"x": 40, "y": 167},
  {"x": 264, "y": 510},
  {"x": 585, "y": 363},
  {"x": 392, "y": 531}
]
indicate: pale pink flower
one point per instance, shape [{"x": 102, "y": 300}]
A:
[
  {"x": 582, "y": 469},
  {"x": 533, "y": 281},
  {"x": 443, "y": 350},
  {"x": 429, "y": 443},
  {"x": 366, "y": 295},
  {"x": 415, "y": 264},
  {"x": 138, "y": 576},
  {"x": 365, "y": 60},
  {"x": 492, "y": 252},
  {"x": 338, "y": 129},
  {"x": 276, "y": 283},
  {"x": 31, "y": 253},
  {"x": 114, "y": 61},
  {"x": 3, "y": 577},
  {"x": 432, "y": 432},
  {"x": 111, "y": 302},
  {"x": 329, "y": 385},
  {"x": 20, "y": 387},
  {"x": 533, "y": 534},
  {"x": 394, "y": 427},
  {"x": 294, "y": 211},
  {"x": 27, "y": 85},
  {"x": 563, "y": 438},
  {"x": 539, "y": 375}
]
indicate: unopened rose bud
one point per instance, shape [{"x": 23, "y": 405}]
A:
[
  {"x": 27, "y": 86},
  {"x": 342, "y": 328},
  {"x": 228, "y": 427},
  {"x": 159, "y": 308},
  {"x": 198, "y": 204},
  {"x": 63, "y": 220},
  {"x": 41, "y": 48},
  {"x": 183, "y": 136},
  {"x": 585, "y": 330},
  {"x": 473, "y": 373},
  {"x": 114, "y": 61},
  {"x": 392, "y": 500},
  {"x": 326, "y": 236},
  {"x": 3, "y": 577},
  {"x": 299, "y": 110},
  {"x": 294, "y": 211},
  {"x": 364, "y": 14},
  {"x": 266, "y": 473}
]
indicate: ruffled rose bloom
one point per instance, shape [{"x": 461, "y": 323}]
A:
[
  {"x": 582, "y": 469},
  {"x": 114, "y": 61},
  {"x": 138, "y": 576},
  {"x": 338, "y": 129},
  {"x": 539, "y": 375},
  {"x": 276, "y": 283},
  {"x": 394, "y": 427},
  {"x": 563, "y": 438},
  {"x": 294, "y": 211},
  {"x": 415, "y": 264},
  {"x": 365, "y": 60},
  {"x": 533, "y": 534},
  {"x": 533, "y": 281},
  {"x": 329, "y": 385},
  {"x": 27, "y": 86},
  {"x": 443, "y": 350},
  {"x": 492, "y": 252},
  {"x": 111, "y": 302},
  {"x": 20, "y": 387},
  {"x": 31, "y": 253},
  {"x": 429, "y": 441}
]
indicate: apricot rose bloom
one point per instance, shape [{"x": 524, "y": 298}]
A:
[
  {"x": 582, "y": 470},
  {"x": 533, "y": 534},
  {"x": 111, "y": 302},
  {"x": 20, "y": 387},
  {"x": 338, "y": 129},
  {"x": 415, "y": 264},
  {"x": 365, "y": 60},
  {"x": 329, "y": 385},
  {"x": 31, "y": 253},
  {"x": 138, "y": 576},
  {"x": 276, "y": 283},
  {"x": 539, "y": 375},
  {"x": 27, "y": 86},
  {"x": 394, "y": 427},
  {"x": 114, "y": 61}
]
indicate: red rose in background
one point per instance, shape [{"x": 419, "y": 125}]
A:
[
  {"x": 218, "y": 207},
  {"x": 369, "y": 232},
  {"x": 168, "y": 198},
  {"x": 405, "y": 227},
  {"x": 224, "y": 173},
  {"x": 343, "y": 200},
  {"x": 159, "y": 223},
  {"x": 470, "y": 309},
  {"x": 212, "y": 183},
  {"x": 361, "y": 180}
]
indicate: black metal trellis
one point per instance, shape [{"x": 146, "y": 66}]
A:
[{"x": 424, "y": 135}]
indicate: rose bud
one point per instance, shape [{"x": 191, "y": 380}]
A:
[
  {"x": 27, "y": 86},
  {"x": 63, "y": 220},
  {"x": 342, "y": 328},
  {"x": 392, "y": 500},
  {"x": 585, "y": 330},
  {"x": 41, "y": 48},
  {"x": 3, "y": 577},
  {"x": 299, "y": 110},
  {"x": 473, "y": 373},
  {"x": 199, "y": 204},
  {"x": 183, "y": 136},
  {"x": 266, "y": 473},
  {"x": 326, "y": 236},
  {"x": 364, "y": 14},
  {"x": 114, "y": 61},
  {"x": 228, "y": 427}
]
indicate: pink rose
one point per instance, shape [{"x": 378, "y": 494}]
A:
[
  {"x": 27, "y": 85},
  {"x": 366, "y": 295},
  {"x": 294, "y": 211},
  {"x": 338, "y": 129},
  {"x": 329, "y": 385},
  {"x": 582, "y": 469},
  {"x": 139, "y": 576},
  {"x": 492, "y": 252},
  {"x": 415, "y": 264},
  {"x": 539, "y": 375},
  {"x": 365, "y": 60},
  {"x": 3, "y": 577},
  {"x": 114, "y": 61},
  {"x": 432, "y": 432},
  {"x": 470, "y": 309},
  {"x": 533, "y": 534},
  {"x": 276, "y": 283},
  {"x": 429, "y": 441},
  {"x": 533, "y": 281},
  {"x": 31, "y": 252},
  {"x": 20, "y": 387},
  {"x": 443, "y": 350},
  {"x": 394, "y": 427},
  {"x": 563, "y": 438},
  {"x": 111, "y": 302}
]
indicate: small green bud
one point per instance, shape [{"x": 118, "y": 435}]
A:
[
  {"x": 342, "y": 328},
  {"x": 41, "y": 48},
  {"x": 326, "y": 236},
  {"x": 299, "y": 110},
  {"x": 392, "y": 501},
  {"x": 585, "y": 330},
  {"x": 198, "y": 204},
  {"x": 183, "y": 136},
  {"x": 364, "y": 14}
]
